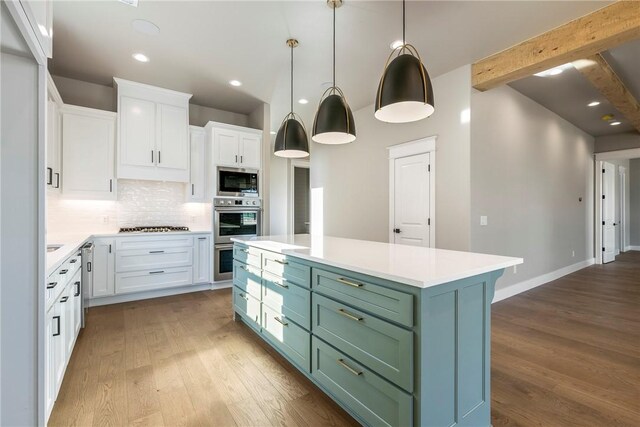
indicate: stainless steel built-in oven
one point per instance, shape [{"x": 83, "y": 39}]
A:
[
  {"x": 232, "y": 217},
  {"x": 237, "y": 182}
]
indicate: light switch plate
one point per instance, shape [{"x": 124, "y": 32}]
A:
[{"x": 483, "y": 220}]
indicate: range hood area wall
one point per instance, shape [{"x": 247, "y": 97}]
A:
[{"x": 139, "y": 203}]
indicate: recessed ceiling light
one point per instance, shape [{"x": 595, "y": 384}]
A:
[
  {"x": 133, "y": 3},
  {"x": 145, "y": 27},
  {"x": 396, "y": 44},
  {"x": 140, "y": 57},
  {"x": 554, "y": 71},
  {"x": 615, "y": 123},
  {"x": 303, "y": 101},
  {"x": 235, "y": 83},
  {"x": 593, "y": 104}
]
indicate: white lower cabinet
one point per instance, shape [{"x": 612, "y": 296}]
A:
[
  {"x": 202, "y": 260},
  {"x": 138, "y": 281},
  {"x": 103, "y": 267}
]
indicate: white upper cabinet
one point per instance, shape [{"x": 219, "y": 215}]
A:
[
  {"x": 153, "y": 132},
  {"x": 197, "y": 181},
  {"x": 235, "y": 146},
  {"x": 52, "y": 122},
  {"x": 40, "y": 16},
  {"x": 88, "y": 151},
  {"x": 138, "y": 129}
]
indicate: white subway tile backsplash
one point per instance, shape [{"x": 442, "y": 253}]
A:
[{"x": 139, "y": 203}]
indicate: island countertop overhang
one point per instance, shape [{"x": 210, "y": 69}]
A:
[{"x": 411, "y": 265}]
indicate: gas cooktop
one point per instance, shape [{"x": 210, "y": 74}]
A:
[{"x": 153, "y": 229}]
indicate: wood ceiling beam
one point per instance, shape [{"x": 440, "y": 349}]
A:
[
  {"x": 602, "y": 77},
  {"x": 601, "y": 30}
]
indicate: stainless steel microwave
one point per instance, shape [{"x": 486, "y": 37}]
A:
[{"x": 237, "y": 182}]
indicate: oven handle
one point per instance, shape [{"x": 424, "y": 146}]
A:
[{"x": 236, "y": 209}]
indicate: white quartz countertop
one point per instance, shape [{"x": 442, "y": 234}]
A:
[
  {"x": 72, "y": 242},
  {"x": 411, "y": 265}
]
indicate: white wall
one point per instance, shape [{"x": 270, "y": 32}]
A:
[
  {"x": 354, "y": 178},
  {"x": 529, "y": 167}
]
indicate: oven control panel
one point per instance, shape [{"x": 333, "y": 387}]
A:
[{"x": 236, "y": 201}]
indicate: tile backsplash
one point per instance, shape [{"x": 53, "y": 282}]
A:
[{"x": 139, "y": 203}]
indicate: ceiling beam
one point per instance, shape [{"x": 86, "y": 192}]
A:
[
  {"x": 602, "y": 77},
  {"x": 601, "y": 30}
]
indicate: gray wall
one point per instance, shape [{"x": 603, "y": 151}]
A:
[
  {"x": 634, "y": 215},
  {"x": 91, "y": 95},
  {"x": 529, "y": 167},
  {"x": 621, "y": 141},
  {"x": 354, "y": 178}
]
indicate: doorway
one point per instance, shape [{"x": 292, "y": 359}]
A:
[
  {"x": 300, "y": 198},
  {"x": 608, "y": 212},
  {"x": 412, "y": 193}
]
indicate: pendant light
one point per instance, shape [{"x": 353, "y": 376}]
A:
[
  {"x": 291, "y": 140},
  {"x": 404, "y": 93},
  {"x": 334, "y": 122}
]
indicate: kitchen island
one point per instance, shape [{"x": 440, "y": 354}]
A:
[{"x": 397, "y": 335}]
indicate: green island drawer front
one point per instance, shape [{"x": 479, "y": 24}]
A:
[
  {"x": 290, "y": 338},
  {"x": 373, "y": 399},
  {"x": 291, "y": 300},
  {"x": 248, "y": 307},
  {"x": 382, "y": 301},
  {"x": 247, "y": 278},
  {"x": 286, "y": 267},
  {"x": 247, "y": 255},
  {"x": 383, "y": 347}
]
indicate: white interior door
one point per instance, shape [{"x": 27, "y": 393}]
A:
[
  {"x": 411, "y": 200},
  {"x": 608, "y": 213}
]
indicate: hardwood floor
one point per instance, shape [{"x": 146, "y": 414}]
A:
[{"x": 567, "y": 353}]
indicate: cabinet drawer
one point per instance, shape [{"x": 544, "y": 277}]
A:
[
  {"x": 290, "y": 338},
  {"x": 247, "y": 307},
  {"x": 285, "y": 267},
  {"x": 385, "y": 348},
  {"x": 379, "y": 300},
  {"x": 291, "y": 300},
  {"x": 150, "y": 259},
  {"x": 138, "y": 281},
  {"x": 376, "y": 401},
  {"x": 153, "y": 242},
  {"x": 248, "y": 279},
  {"x": 250, "y": 256}
]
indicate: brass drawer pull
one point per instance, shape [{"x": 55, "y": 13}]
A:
[
  {"x": 349, "y": 315},
  {"x": 348, "y": 368},
  {"x": 243, "y": 296},
  {"x": 246, "y": 251},
  {"x": 282, "y": 285},
  {"x": 350, "y": 283},
  {"x": 281, "y": 262},
  {"x": 279, "y": 320}
]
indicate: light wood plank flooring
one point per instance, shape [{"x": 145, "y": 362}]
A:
[{"x": 567, "y": 353}]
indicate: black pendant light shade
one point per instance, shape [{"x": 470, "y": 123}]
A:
[
  {"x": 291, "y": 140},
  {"x": 334, "y": 122},
  {"x": 405, "y": 93}
]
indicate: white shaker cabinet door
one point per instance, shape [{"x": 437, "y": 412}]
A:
[
  {"x": 137, "y": 134},
  {"x": 88, "y": 151},
  {"x": 249, "y": 151},
  {"x": 202, "y": 260},
  {"x": 226, "y": 146},
  {"x": 103, "y": 268},
  {"x": 173, "y": 141},
  {"x": 196, "y": 190}
]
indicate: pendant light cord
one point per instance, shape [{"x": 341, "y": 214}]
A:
[
  {"x": 292, "y": 77},
  {"x": 404, "y": 39},
  {"x": 334, "y": 45}
]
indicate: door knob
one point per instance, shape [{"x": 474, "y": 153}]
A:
[{"x": 396, "y": 230}]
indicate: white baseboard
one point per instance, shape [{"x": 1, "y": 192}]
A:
[
  {"x": 633, "y": 248},
  {"x": 116, "y": 299},
  {"x": 517, "y": 288}
]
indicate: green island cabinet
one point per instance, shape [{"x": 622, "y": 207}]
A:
[{"x": 389, "y": 353}]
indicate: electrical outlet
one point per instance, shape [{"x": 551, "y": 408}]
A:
[
  {"x": 515, "y": 269},
  {"x": 105, "y": 219},
  {"x": 193, "y": 219},
  {"x": 573, "y": 254},
  {"x": 484, "y": 220}
]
